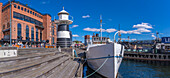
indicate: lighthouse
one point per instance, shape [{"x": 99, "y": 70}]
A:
[{"x": 64, "y": 35}]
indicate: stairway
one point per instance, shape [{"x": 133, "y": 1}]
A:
[{"x": 39, "y": 63}]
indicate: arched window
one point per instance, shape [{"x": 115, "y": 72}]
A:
[
  {"x": 36, "y": 34},
  {"x": 40, "y": 35},
  {"x": 19, "y": 30},
  {"x": 27, "y": 32},
  {"x": 32, "y": 34},
  {"x": 3, "y": 26},
  {"x": 52, "y": 30}
]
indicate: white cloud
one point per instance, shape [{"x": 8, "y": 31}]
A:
[
  {"x": 154, "y": 37},
  {"x": 143, "y": 25},
  {"x": 137, "y": 31},
  {"x": 97, "y": 30},
  {"x": 143, "y": 30},
  {"x": 86, "y": 16},
  {"x": 122, "y": 31},
  {"x": 74, "y": 26},
  {"x": 127, "y": 39},
  {"x": 75, "y": 35},
  {"x": 129, "y": 32},
  {"x": 44, "y": 2},
  {"x": 110, "y": 30},
  {"x": 91, "y": 29}
]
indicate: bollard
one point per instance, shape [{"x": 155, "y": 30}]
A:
[
  {"x": 59, "y": 49},
  {"x": 73, "y": 53}
]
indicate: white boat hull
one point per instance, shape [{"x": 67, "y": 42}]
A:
[{"x": 110, "y": 68}]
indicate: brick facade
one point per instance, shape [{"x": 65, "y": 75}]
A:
[
  {"x": 28, "y": 19},
  {"x": 0, "y": 19}
]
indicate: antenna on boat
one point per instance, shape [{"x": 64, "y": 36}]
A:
[
  {"x": 101, "y": 28},
  {"x": 119, "y": 34}
]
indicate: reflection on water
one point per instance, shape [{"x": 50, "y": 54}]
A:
[
  {"x": 140, "y": 69},
  {"x": 144, "y": 69}
]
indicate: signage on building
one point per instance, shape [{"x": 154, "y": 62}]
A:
[{"x": 165, "y": 39}]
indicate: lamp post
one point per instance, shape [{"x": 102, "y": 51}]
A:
[{"x": 10, "y": 23}]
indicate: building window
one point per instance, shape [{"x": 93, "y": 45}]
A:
[
  {"x": 32, "y": 21},
  {"x": 27, "y": 33},
  {"x": 40, "y": 35},
  {"x": 15, "y": 6},
  {"x": 18, "y": 7},
  {"x": 25, "y": 9},
  {"x": 26, "y": 18},
  {"x": 3, "y": 26},
  {"x": 33, "y": 13},
  {"x": 53, "y": 30},
  {"x": 22, "y": 8},
  {"x": 22, "y": 17},
  {"x": 8, "y": 25},
  {"x": 32, "y": 34},
  {"x": 19, "y": 30},
  {"x": 36, "y": 34},
  {"x": 53, "y": 41},
  {"x": 30, "y": 12}
]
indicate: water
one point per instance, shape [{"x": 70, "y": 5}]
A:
[
  {"x": 140, "y": 69},
  {"x": 144, "y": 69}
]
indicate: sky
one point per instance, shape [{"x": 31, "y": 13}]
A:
[{"x": 138, "y": 19}]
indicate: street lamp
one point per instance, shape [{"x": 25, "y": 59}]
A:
[{"x": 10, "y": 23}]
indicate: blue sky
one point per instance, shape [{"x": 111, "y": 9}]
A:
[{"x": 139, "y": 19}]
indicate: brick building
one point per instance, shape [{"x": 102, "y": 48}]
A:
[
  {"x": 86, "y": 40},
  {"x": 28, "y": 25}
]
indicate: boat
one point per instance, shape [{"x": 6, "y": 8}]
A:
[{"x": 105, "y": 58}]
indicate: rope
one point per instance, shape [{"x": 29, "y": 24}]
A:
[{"x": 97, "y": 69}]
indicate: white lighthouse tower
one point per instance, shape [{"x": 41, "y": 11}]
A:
[{"x": 64, "y": 36}]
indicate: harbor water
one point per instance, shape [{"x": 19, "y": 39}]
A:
[{"x": 140, "y": 69}]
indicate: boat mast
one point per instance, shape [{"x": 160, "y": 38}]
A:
[{"x": 101, "y": 28}]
